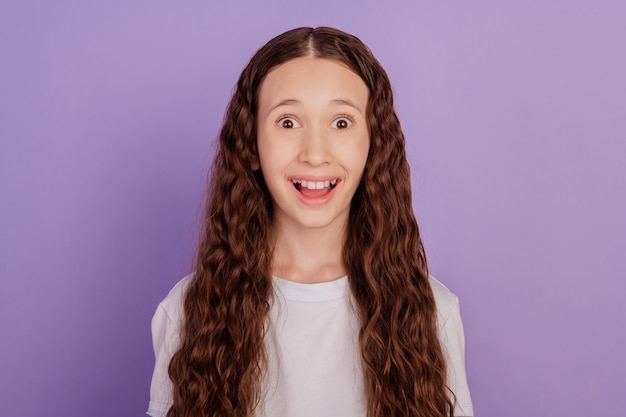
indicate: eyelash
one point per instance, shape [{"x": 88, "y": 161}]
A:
[
  {"x": 347, "y": 117},
  {"x": 285, "y": 117}
]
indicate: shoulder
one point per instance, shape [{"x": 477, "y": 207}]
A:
[
  {"x": 452, "y": 340},
  {"x": 447, "y": 302},
  {"x": 172, "y": 305},
  {"x": 166, "y": 324}
]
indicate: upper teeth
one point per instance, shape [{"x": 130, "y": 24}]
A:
[{"x": 315, "y": 185}]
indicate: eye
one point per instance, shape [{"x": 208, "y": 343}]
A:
[
  {"x": 342, "y": 122},
  {"x": 288, "y": 122}
]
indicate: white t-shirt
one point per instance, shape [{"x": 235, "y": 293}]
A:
[{"x": 314, "y": 367}]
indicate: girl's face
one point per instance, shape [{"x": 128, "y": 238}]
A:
[{"x": 312, "y": 140}]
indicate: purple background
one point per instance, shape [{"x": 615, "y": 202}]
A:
[{"x": 515, "y": 116}]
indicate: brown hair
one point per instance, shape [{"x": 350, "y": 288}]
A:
[{"x": 219, "y": 366}]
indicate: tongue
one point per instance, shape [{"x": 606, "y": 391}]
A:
[{"x": 313, "y": 193}]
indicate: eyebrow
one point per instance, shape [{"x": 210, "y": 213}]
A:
[
  {"x": 288, "y": 102},
  {"x": 293, "y": 102}
]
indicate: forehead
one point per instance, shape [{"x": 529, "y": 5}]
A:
[{"x": 310, "y": 79}]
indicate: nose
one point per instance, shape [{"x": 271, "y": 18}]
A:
[{"x": 315, "y": 147}]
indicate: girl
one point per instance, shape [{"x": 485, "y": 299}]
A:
[{"x": 311, "y": 295}]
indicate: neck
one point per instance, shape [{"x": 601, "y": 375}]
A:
[{"x": 309, "y": 255}]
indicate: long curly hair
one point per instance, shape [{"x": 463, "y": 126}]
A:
[{"x": 219, "y": 367}]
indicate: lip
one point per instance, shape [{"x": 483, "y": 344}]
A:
[
  {"x": 314, "y": 177},
  {"x": 319, "y": 200}
]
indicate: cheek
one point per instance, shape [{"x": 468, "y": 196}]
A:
[
  {"x": 265, "y": 150},
  {"x": 274, "y": 152},
  {"x": 359, "y": 153},
  {"x": 271, "y": 157}
]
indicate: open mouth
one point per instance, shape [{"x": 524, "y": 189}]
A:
[{"x": 315, "y": 188}]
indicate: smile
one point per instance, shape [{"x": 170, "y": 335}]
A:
[{"x": 302, "y": 185}]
